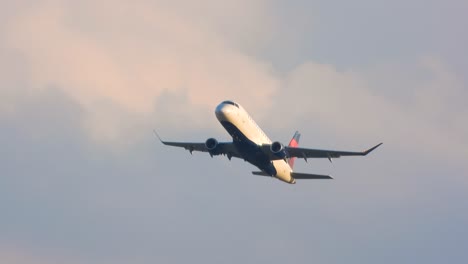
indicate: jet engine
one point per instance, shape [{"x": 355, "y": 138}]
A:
[
  {"x": 211, "y": 144},
  {"x": 278, "y": 149}
]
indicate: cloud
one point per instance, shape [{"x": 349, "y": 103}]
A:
[
  {"x": 167, "y": 65},
  {"x": 105, "y": 62},
  {"x": 18, "y": 255},
  {"x": 415, "y": 107},
  {"x": 77, "y": 74}
]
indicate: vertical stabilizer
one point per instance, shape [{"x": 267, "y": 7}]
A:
[{"x": 293, "y": 144}]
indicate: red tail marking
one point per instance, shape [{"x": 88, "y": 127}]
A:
[{"x": 294, "y": 143}]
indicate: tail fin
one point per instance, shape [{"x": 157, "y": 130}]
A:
[{"x": 294, "y": 143}]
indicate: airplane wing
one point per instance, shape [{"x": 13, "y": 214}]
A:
[
  {"x": 305, "y": 153},
  {"x": 320, "y": 153},
  {"x": 223, "y": 148}
]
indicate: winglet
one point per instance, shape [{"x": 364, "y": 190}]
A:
[
  {"x": 157, "y": 135},
  {"x": 371, "y": 149}
]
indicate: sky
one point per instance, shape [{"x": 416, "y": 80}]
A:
[{"x": 83, "y": 83}]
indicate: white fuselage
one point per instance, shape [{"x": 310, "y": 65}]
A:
[{"x": 242, "y": 127}]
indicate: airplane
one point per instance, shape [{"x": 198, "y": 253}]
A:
[{"x": 251, "y": 144}]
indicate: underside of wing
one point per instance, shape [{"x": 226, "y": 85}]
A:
[
  {"x": 190, "y": 146},
  {"x": 320, "y": 153},
  {"x": 211, "y": 146}
]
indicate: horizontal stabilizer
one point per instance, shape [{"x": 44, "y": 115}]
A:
[
  {"x": 297, "y": 175},
  {"x": 260, "y": 173}
]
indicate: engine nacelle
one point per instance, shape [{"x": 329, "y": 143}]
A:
[
  {"x": 278, "y": 149},
  {"x": 211, "y": 144}
]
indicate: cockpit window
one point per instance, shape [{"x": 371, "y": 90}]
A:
[{"x": 231, "y": 103}]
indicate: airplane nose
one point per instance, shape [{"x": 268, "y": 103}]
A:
[
  {"x": 223, "y": 110},
  {"x": 219, "y": 109}
]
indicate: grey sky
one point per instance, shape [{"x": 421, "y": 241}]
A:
[{"x": 84, "y": 181}]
